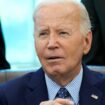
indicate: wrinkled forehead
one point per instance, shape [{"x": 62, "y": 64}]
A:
[{"x": 58, "y": 11}]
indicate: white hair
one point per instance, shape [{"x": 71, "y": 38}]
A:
[{"x": 85, "y": 24}]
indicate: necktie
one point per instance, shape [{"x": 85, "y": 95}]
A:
[{"x": 63, "y": 93}]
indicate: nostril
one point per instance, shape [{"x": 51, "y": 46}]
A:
[{"x": 52, "y": 43}]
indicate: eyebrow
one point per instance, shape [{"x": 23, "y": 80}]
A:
[{"x": 42, "y": 28}]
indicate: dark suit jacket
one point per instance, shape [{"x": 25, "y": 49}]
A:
[
  {"x": 96, "y": 10},
  {"x": 31, "y": 89},
  {"x": 3, "y": 62}
]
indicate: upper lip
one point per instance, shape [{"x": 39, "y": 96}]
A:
[{"x": 54, "y": 57}]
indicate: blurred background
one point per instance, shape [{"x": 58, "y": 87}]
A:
[
  {"x": 17, "y": 26},
  {"x": 16, "y": 18}
]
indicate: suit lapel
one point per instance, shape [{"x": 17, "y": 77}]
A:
[
  {"x": 89, "y": 93},
  {"x": 37, "y": 90}
]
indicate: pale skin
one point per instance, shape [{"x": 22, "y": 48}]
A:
[
  {"x": 58, "y": 102},
  {"x": 60, "y": 45}
]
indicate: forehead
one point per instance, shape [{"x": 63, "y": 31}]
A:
[{"x": 53, "y": 13}]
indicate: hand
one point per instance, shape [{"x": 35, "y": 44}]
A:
[{"x": 58, "y": 101}]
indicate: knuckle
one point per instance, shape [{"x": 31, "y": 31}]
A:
[{"x": 42, "y": 103}]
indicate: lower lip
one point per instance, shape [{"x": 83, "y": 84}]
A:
[{"x": 54, "y": 60}]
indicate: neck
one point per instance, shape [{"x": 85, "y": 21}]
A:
[{"x": 64, "y": 79}]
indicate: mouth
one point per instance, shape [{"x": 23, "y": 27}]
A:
[{"x": 54, "y": 58}]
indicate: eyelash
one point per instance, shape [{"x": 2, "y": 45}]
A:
[
  {"x": 63, "y": 32},
  {"x": 43, "y": 33}
]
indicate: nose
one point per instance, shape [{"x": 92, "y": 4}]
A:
[{"x": 52, "y": 42}]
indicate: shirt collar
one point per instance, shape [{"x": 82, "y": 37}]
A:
[
  {"x": 73, "y": 87},
  {"x": 52, "y": 87}
]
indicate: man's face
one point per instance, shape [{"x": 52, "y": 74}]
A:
[{"x": 58, "y": 40}]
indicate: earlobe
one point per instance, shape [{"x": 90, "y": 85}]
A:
[{"x": 87, "y": 42}]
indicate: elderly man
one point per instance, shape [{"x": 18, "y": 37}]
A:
[{"x": 62, "y": 37}]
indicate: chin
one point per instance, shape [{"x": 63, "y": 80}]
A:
[{"x": 55, "y": 71}]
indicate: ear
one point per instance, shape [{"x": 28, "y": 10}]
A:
[{"x": 87, "y": 42}]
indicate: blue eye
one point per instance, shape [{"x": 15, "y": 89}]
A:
[
  {"x": 43, "y": 33},
  {"x": 63, "y": 33}
]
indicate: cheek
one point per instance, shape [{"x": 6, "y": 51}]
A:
[
  {"x": 75, "y": 49},
  {"x": 38, "y": 48}
]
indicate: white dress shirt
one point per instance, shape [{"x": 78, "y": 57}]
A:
[{"x": 73, "y": 87}]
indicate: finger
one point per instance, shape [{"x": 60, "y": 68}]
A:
[
  {"x": 50, "y": 102},
  {"x": 64, "y": 101}
]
